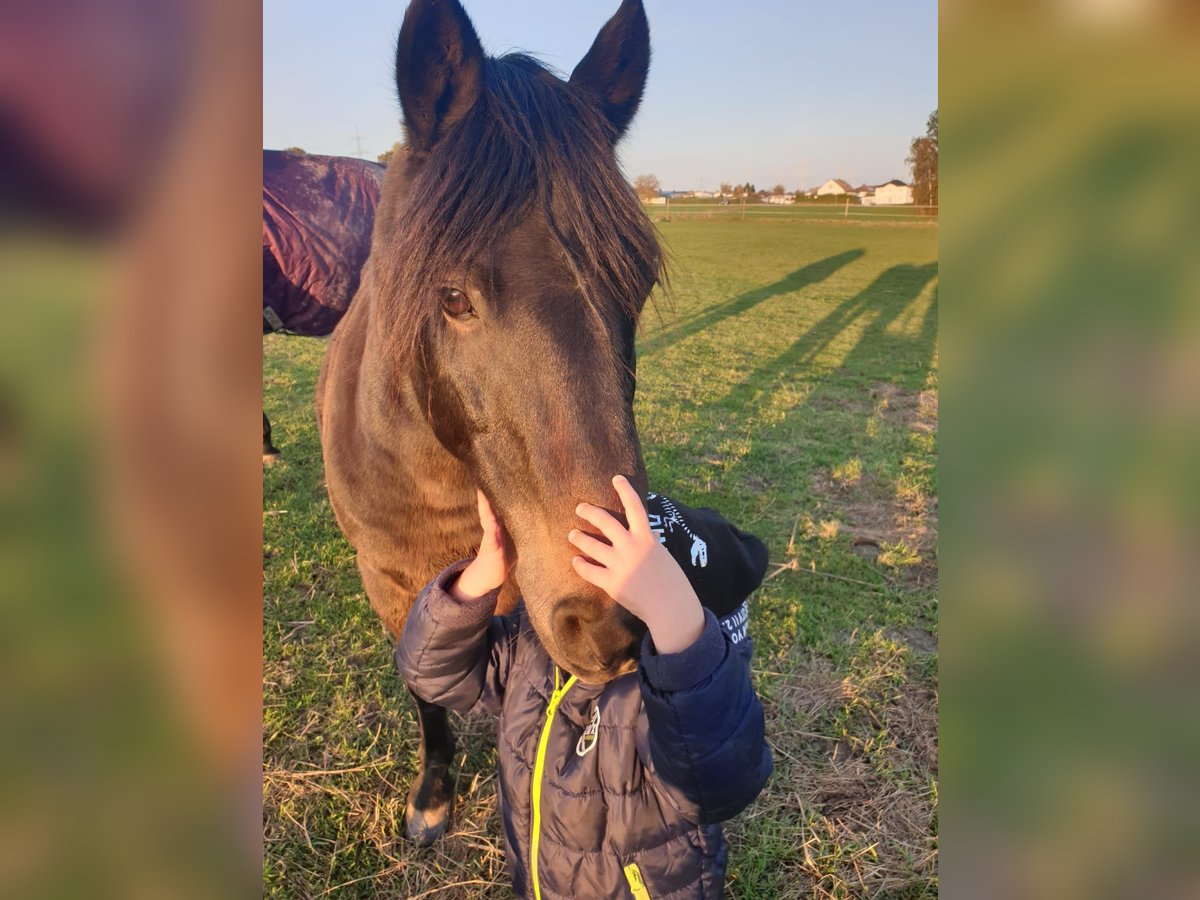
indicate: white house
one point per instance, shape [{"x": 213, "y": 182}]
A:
[
  {"x": 894, "y": 193},
  {"x": 866, "y": 194},
  {"x": 834, "y": 186},
  {"x": 780, "y": 199}
]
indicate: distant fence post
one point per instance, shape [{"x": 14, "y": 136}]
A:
[
  {"x": 846, "y": 214},
  {"x": 668, "y": 207},
  {"x": 743, "y": 209}
]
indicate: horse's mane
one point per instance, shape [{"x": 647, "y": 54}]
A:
[{"x": 528, "y": 139}]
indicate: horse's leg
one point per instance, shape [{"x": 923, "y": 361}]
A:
[
  {"x": 427, "y": 815},
  {"x": 431, "y": 797},
  {"x": 270, "y": 451}
]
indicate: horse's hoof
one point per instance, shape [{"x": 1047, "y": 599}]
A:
[{"x": 424, "y": 826}]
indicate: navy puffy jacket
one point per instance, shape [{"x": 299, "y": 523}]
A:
[{"x": 636, "y": 774}]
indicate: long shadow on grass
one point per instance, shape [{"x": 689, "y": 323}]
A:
[
  {"x": 831, "y": 423},
  {"x": 801, "y": 278},
  {"x": 818, "y": 430},
  {"x": 885, "y": 299}
]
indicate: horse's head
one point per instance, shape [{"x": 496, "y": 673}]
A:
[{"x": 518, "y": 260}]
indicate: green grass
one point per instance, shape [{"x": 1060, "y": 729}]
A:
[{"x": 790, "y": 382}]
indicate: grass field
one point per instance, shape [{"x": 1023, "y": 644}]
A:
[{"x": 790, "y": 382}]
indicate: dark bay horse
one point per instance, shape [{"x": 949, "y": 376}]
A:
[
  {"x": 318, "y": 214},
  {"x": 491, "y": 342}
]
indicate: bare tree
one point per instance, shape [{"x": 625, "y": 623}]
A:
[
  {"x": 777, "y": 190},
  {"x": 726, "y": 187},
  {"x": 647, "y": 187}
]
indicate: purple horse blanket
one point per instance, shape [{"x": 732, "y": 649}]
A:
[{"x": 318, "y": 214}]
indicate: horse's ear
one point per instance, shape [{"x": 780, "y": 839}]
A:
[
  {"x": 439, "y": 69},
  {"x": 615, "y": 68}
]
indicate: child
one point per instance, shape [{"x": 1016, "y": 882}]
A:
[{"x": 612, "y": 790}]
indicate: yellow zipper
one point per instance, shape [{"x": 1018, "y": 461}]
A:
[
  {"x": 637, "y": 887},
  {"x": 539, "y": 769}
]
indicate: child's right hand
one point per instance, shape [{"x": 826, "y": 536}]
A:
[
  {"x": 638, "y": 572},
  {"x": 491, "y": 565}
]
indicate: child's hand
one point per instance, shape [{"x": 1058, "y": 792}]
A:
[
  {"x": 638, "y": 572},
  {"x": 488, "y": 570}
]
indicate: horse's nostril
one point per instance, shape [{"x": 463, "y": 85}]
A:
[
  {"x": 573, "y": 622},
  {"x": 574, "y": 613},
  {"x": 569, "y": 627}
]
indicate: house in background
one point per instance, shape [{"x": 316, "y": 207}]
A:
[
  {"x": 779, "y": 199},
  {"x": 893, "y": 193},
  {"x": 834, "y": 186},
  {"x": 866, "y": 194}
]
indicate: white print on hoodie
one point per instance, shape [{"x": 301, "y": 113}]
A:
[{"x": 660, "y": 525}]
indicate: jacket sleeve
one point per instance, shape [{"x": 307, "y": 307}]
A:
[
  {"x": 706, "y": 729},
  {"x": 456, "y": 654}
]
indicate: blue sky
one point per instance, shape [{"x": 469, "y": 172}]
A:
[{"x": 757, "y": 90}]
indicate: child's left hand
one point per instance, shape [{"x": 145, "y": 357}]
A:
[
  {"x": 638, "y": 572},
  {"x": 492, "y": 562}
]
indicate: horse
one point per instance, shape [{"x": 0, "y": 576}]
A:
[
  {"x": 491, "y": 342},
  {"x": 318, "y": 213}
]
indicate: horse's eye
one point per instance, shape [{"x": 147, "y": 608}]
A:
[{"x": 456, "y": 304}]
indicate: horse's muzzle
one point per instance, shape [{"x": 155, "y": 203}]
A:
[{"x": 595, "y": 641}]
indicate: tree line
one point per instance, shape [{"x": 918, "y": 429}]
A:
[{"x": 922, "y": 160}]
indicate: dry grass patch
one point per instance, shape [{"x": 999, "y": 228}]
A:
[
  {"x": 868, "y": 509},
  {"x": 891, "y": 521},
  {"x": 854, "y": 791},
  {"x": 905, "y": 409},
  {"x": 370, "y": 800}
]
